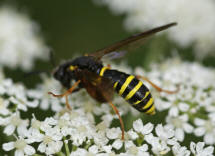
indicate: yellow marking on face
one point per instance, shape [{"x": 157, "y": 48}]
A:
[
  {"x": 133, "y": 91},
  {"x": 151, "y": 111},
  {"x": 149, "y": 103},
  {"x": 103, "y": 70},
  {"x": 126, "y": 83},
  {"x": 115, "y": 85},
  {"x": 72, "y": 67},
  {"x": 147, "y": 93}
]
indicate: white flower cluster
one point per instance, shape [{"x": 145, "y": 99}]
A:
[
  {"x": 88, "y": 129},
  {"x": 20, "y": 43},
  {"x": 195, "y": 97},
  {"x": 195, "y": 19}
]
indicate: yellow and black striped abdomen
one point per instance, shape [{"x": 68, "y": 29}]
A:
[
  {"x": 131, "y": 89},
  {"x": 136, "y": 93}
]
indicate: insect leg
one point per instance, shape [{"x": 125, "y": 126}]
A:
[
  {"x": 120, "y": 119},
  {"x": 109, "y": 66},
  {"x": 156, "y": 87},
  {"x": 69, "y": 91}
]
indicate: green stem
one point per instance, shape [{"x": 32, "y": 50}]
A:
[
  {"x": 66, "y": 148},
  {"x": 60, "y": 154},
  {"x": 37, "y": 155}
]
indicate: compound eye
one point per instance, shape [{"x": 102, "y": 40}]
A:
[{"x": 58, "y": 74}]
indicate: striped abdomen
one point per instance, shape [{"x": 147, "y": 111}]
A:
[{"x": 131, "y": 89}]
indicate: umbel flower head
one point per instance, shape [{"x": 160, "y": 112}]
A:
[
  {"x": 88, "y": 128},
  {"x": 20, "y": 43}
]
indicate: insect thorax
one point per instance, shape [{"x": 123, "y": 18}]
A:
[{"x": 87, "y": 62}]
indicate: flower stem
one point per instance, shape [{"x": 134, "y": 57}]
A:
[
  {"x": 66, "y": 148},
  {"x": 60, "y": 154}
]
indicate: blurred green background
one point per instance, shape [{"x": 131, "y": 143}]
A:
[
  {"x": 77, "y": 27},
  {"x": 72, "y": 27}
]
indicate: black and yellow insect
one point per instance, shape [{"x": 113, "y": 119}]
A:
[{"x": 101, "y": 81}]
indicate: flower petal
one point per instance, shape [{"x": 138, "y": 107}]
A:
[
  {"x": 29, "y": 150},
  {"x": 117, "y": 144},
  {"x": 19, "y": 153},
  {"x": 147, "y": 128},
  {"x": 193, "y": 147},
  {"x": 209, "y": 138},
  {"x": 9, "y": 129},
  {"x": 8, "y": 146},
  {"x": 138, "y": 125},
  {"x": 179, "y": 134},
  {"x": 42, "y": 147},
  {"x": 199, "y": 122},
  {"x": 188, "y": 128},
  {"x": 209, "y": 150},
  {"x": 200, "y": 131},
  {"x": 199, "y": 147}
]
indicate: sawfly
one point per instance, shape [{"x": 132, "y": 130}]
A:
[{"x": 101, "y": 81}]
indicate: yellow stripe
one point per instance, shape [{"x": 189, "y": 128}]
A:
[
  {"x": 134, "y": 90},
  {"x": 115, "y": 85},
  {"x": 151, "y": 111},
  {"x": 149, "y": 103},
  {"x": 128, "y": 80},
  {"x": 147, "y": 93},
  {"x": 103, "y": 70},
  {"x": 72, "y": 67}
]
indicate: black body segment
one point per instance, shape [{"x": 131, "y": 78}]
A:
[{"x": 131, "y": 89}]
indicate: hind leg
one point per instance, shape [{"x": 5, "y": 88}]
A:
[
  {"x": 120, "y": 119},
  {"x": 156, "y": 87}
]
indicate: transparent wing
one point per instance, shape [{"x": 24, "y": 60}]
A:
[{"x": 129, "y": 43}]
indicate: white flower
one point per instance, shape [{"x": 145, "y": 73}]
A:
[
  {"x": 20, "y": 42},
  {"x": 138, "y": 151},
  {"x": 5, "y": 85},
  {"x": 117, "y": 144},
  {"x": 79, "y": 152},
  {"x": 146, "y": 129},
  {"x": 16, "y": 95},
  {"x": 180, "y": 150},
  {"x": 88, "y": 126},
  {"x": 41, "y": 93},
  {"x": 199, "y": 150},
  {"x": 180, "y": 124},
  {"x": 21, "y": 147},
  {"x": 205, "y": 128},
  {"x": 177, "y": 107},
  {"x": 127, "y": 142},
  {"x": 158, "y": 147},
  {"x": 113, "y": 133},
  {"x": 132, "y": 135},
  {"x": 22, "y": 102},
  {"x": 14, "y": 121},
  {"x": 50, "y": 141},
  {"x": 3, "y": 106},
  {"x": 166, "y": 134},
  {"x": 93, "y": 149}
]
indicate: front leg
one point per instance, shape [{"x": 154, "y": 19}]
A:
[{"x": 69, "y": 91}]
